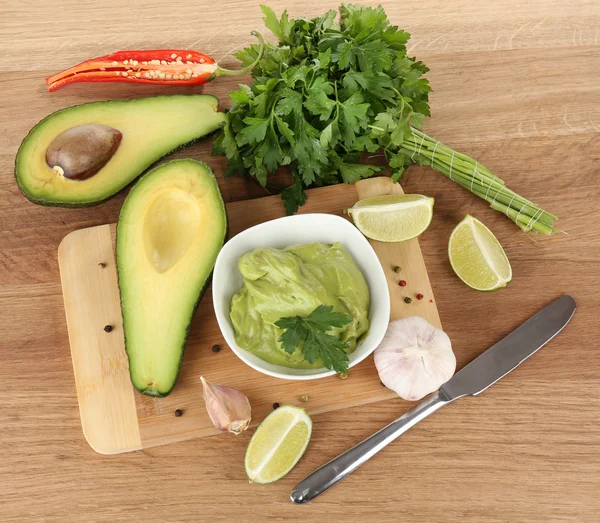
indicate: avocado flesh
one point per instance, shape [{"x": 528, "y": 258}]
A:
[
  {"x": 171, "y": 228},
  {"x": 151, "y": 128}
]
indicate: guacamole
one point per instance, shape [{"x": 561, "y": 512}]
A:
[{"x": 294, "y": 282}]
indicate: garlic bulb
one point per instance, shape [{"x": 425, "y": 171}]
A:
[
  {"x": 414, "y": 358},
  {"x": 228, "y": 408}
]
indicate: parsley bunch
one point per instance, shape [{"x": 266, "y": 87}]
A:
[{"x": 330, "y": 91}]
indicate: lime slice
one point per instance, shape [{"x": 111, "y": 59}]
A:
[
  {"x": 278, "y": 444},
  {"x": 394, "y": 217},
  {"x": 477, "y": 257}
]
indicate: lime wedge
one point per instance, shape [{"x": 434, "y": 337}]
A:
[
  {"x": 278, "y": 444},
  {"x": 477, "y": 257},
  {"x": 394, "y": 217}
]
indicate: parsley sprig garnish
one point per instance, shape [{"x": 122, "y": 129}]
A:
[{"x": 311, "y": 334}]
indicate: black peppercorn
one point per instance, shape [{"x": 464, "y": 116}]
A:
[
  {"x": 276, "y": 405},
  {"x": 216, "y": 348},
  {"x": 178, "y": 413},
  {"x": 108, "y": 328}
]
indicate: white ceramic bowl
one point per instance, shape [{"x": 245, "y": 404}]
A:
[{"x": 293, "y": 230}]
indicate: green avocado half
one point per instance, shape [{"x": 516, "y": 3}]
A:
[
  {"x": 147, "y": 130},
  {"x": 171, "y": 228}
]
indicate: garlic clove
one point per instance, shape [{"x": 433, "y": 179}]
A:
[
  {"x": 414, "y": 358},
  {"x": 228, "y": 408}
]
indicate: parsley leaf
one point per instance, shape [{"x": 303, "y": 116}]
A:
[
  {"x": 324, "y": 319},
  {"x": 284, "y": 129},
  {"x": 308, "y": 150},
  {"x": 269, "y": 152},
  {"x": 311, "y": 335},
  {"x": 280, "y": 29},
  {"x": 321, "y": 83},
  {"x": 319, "y": 104},
  {"x": 373, "y": 56},
  {"x": 296, "y": 333},
  {"x": 242, "y": 96},
  {"x": 357, "y": 18},
  {"x": 323, "y": 60},
  {"x": 352, "y": 172},
  {"x": 254, "y": 132},
  {"x": 295, "y": 74},
  {"x": 354, "y": 116},
  {"x": 398, "y": 163},
  {"x": 373, "y": 85},
  {"x": 364, "y": 142},
  {"x": 330, "y": 135},
  {"x": 289, "y": 102},
  {"x": 330, "y": 349},
  {"x": 345, "y": 55},
  {"x": 396, "y": 38},
  {"x": 293, "y": 196},
  {"x": 249, "y": 54}
]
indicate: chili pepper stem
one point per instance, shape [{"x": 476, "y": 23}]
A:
[{"x": 220, "y": 71}]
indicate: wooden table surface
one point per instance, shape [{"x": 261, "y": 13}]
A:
[{"x": 517, "y": 86}]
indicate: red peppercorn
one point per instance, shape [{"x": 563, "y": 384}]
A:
[
  {"x": 402, "y": 283},
  {"x": 420, "y": 296},
  {"x": 430, "y": 301}
]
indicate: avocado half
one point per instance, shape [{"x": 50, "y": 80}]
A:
[
  {"x": 171, "y": 228},
  {"x": 151, "y": 128}
]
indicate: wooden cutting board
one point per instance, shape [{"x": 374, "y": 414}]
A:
[{"x": 116, "y": 418}]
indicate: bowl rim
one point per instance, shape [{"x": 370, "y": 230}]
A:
[{"x": 376, "y": 279}]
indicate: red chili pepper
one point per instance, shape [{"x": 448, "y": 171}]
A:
[{"x": 161, "y": 67}]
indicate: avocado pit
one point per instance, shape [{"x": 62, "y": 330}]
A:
[{"x": 81, "y": 151}]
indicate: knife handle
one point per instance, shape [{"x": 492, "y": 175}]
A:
[{"x": 338, "y": 468}]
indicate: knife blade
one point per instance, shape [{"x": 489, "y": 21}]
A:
[
  {"x": 474, "y": 378},
  {"x": 511, "y": 351}
]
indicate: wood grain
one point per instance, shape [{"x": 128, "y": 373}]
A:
[
  {"x": 117, "y": 420},
  {"x": 516, "y": 85},
  {"x": 91, "y": 295}
]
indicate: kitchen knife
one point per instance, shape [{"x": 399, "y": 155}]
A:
[{"x": 471, "y": 380}]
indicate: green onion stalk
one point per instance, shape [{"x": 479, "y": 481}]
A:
[{"x": 478, "y": 179}]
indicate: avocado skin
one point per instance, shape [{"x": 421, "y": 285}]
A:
[
  {"x": 152, "y": 392},
  {"x": 76, "y": 205}
]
